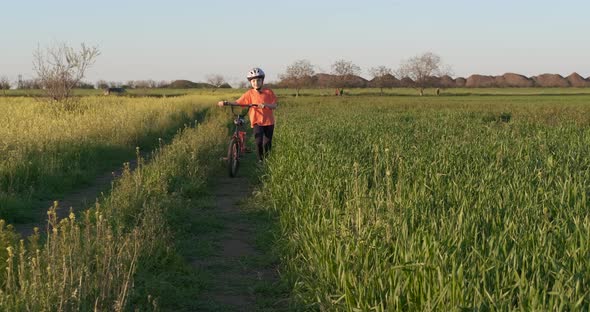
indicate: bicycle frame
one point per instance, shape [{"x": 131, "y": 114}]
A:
[
  {"x": 237, "y": 145},
  {"x": 239, "y": 128}
]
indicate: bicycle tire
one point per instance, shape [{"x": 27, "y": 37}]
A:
[{"x": 233, "y": 157}]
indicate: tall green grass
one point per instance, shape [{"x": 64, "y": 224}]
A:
[
  {"x": 46, "y": 151},
  {"x": 397, "y": 204},
  {"x": 88, "y": 262}
]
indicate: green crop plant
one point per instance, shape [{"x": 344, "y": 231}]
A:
[
  {"x": 46, "y": 152},
  {"x": 406, "y": 203}
]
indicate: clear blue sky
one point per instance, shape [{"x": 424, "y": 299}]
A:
[{"x": 181, "y": 39}]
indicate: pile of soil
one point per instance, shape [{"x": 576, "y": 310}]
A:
[
  {"x": 386, "y": 81},
  {"x": 575, "y": 80},
  {"x": 354, "y": 81},
  {"x": 480, "y": 81},
  {"x": 446, "y": 82},
  {"x": 513, "y": 80},
  {"x": 551, "y": 80},
  {"x": 406, "y": 82},
  {"x": 323, "y": 80},
  {"x": 460, "y": 82},
  {"x": 348, "y": 81}
]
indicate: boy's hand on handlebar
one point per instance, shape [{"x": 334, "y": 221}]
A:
[
  {"x": 221, "y": 103},
  {"x": 261, "y": 105}
]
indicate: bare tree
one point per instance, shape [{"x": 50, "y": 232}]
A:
[
  {"x": 421, "y": 69},
  {"x": 60, "y": 68},
  {"x": 84, "y": 85},
  {"x": 115, "y": 84},
  {"x": 29, "y": 84},
  {"x": 130, "y": 84},
  {"x": 141, "y": 84},
  {"x": 344, "y": 72},
  {"x": 4, "y": 84},
  {"x": 102, "y": 84},
  {"x": 152, "y": 83},
  {"x": 162, "y": 84},
  {"x": 380, "y": 75},
  {"x": 298, "y": 75},
  {"x": 216, "y": 81},
  {"x": 243, "y": 85}
]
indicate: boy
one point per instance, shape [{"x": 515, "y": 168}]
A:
[{"x": 261, "y": 118}]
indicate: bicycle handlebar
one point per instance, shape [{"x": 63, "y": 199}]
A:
[{"x": 226, "y": 103}]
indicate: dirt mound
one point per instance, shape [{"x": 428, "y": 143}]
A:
[
  {"x": 406, "y": 82},
  {"x": 551, "y": 80},
  {"x": 460, "y": 82},
  {"x": 348, "y": 81},
  {"x": 512, "y": 80},
  {"x": 577, "y": 81},
  {"x": 323, "y": 80},
  {"x": 480, "y": 81},
  {"x": 187, "y": 84},
  {"x": 386, "y": 81},
  {"x": 446, "y": 82},
  {"x": 353, "y": 81}
]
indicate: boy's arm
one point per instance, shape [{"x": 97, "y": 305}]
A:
[
  {"x": 272, "y": 100},
  {"x": 271, "y": 106}
]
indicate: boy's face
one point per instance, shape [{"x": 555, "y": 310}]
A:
[{"x": 256, "y": 83}]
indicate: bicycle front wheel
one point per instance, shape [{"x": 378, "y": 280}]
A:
[{"x": 233, "y": 157}]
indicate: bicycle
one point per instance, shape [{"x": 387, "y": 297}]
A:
[{"x": 237, "y": 144}]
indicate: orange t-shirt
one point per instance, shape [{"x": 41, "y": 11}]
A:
[{"x": 259, "y": 116}]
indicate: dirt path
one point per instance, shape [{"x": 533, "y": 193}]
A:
[
  {"x": 238, "y": 267},
  {"x": 75, "y": 201}
]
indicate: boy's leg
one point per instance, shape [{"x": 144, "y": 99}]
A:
[
  {"x": 258, "y": 138},
  {"x": 267, "y": 140}
]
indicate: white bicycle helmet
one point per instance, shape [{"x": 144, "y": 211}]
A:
[{"x": 255, "y": 73}]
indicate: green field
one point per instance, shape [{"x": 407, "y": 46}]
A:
[
  {"x": 473, "y": 200},
  {"x": 46, "y": 151},
  {"x": 409, "y": 203}
]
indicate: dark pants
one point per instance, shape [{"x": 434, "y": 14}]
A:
[{"x": 263, "y": 138}]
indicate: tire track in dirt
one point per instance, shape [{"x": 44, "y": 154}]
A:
[
  {"x": 75, "y": 201},
  {"x": 84, "y": 198},
  {"x": 236, "y": 272}
]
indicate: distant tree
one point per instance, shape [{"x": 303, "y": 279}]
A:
[
  {"x": 30, "y": 84},
  {"x": 60, "y": 68},
  {"x": 243, "y": 85},
  {"x": 130, "y": 84},
  {"x": 379, "y": 75},
  {"x": 85, "y": 85},
  {"x": 421, "y": 69},
  {"x": 142, "y": 84},
  {"x": 151, "y": 83},
  {"x": 216, "y": 81},
  {"x": 163, "y": 84},
  {"x": 298, "y": 75},
  {"x": 343, "y": 71},
  {"x": 102, "y": 84},
  {"x": 4, "y": 84}
]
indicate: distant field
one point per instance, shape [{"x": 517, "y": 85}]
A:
[
  {"x": 45, "y": 151},
  {"x": 128, "y": 93},
  {"x": 476, "y": 199},
  {"x": 325, "y": 92},
  {"x": 443, "y": 92},
  {"x": 434, "y": 203}
]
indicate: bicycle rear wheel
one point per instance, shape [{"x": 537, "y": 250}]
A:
[{"x": 233, "y": 157}]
